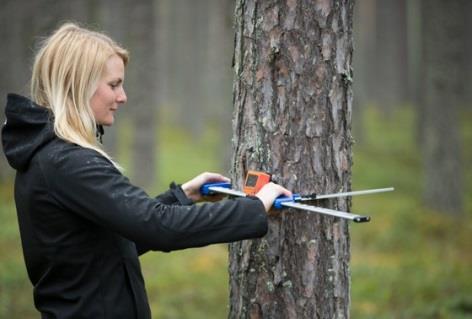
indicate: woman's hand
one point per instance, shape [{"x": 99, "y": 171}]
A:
[
  {"x": 192, "y": 187},
  {"x": 269, "y": 192}
]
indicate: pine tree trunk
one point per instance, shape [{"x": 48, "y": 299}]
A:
[
  {"x": 390, "y": 73},
  {"x": 292, "y": 118},
  {"x": 443, "y": 45}
]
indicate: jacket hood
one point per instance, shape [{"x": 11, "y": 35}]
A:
[{"x": 27, "y": 128}]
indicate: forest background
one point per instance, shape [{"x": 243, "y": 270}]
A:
[{"x": 412, "y": 123}]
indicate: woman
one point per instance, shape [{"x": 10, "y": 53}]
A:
[{"x": 82, "y": 223}]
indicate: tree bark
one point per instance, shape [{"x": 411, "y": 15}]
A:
[{"x": 292, "y": 118}]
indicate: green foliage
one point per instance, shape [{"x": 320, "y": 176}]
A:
[{"x": 408, "y": 262}]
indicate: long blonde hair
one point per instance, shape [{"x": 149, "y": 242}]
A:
[{"x": 65, "y": 75}]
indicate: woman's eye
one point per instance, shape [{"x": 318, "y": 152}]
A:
[{"x": 115, "y": 84}]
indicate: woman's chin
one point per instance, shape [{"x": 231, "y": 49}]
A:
[{"x": 108, "y": 122}]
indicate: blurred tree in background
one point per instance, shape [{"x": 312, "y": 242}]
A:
[
  {"x": 443, "y": 59},
  {"x": 412, "y": 75},
  {"x": 414, "y": 53}
]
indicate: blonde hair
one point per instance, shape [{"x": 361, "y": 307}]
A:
[{"x": 65, "y": 75}]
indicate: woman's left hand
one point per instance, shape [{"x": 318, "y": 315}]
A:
[{"x": 192, "y": 187}]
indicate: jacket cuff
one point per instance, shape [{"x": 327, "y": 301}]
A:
[
  {"x": 180, "y": 194},
  {"x": 167, "y": 198}
]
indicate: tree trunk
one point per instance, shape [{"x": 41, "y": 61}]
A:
[
  {"x": 218, "y": 67},
  {"x": 143, "y": 89},
  {"x": 467, "y": 73},
  {"x": 292, "y": 118},
  {"x": 413, "y": 34},
  {"x": 443, "y": 45},
  {"x": 364, "y": 38},
  {"x": 112, "y": 22},
  {"x": 12, "y": 77},
  {"x": 390, "y": 74}
]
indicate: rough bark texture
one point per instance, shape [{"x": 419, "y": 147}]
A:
[{"x": 292, "y": 118}]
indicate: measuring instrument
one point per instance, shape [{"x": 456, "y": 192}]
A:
[{"x": 256, "y": 180}]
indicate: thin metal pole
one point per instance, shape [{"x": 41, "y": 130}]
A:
[
  {"x": 355, "y": 193},
  {"x": 227, "y": 191},
  {"x": 330, "y": 212}
]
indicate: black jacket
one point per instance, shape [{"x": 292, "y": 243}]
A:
[{"x": 83, "y": 224}]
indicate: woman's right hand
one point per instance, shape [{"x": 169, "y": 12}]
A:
[{"x": 269, "y": 192}]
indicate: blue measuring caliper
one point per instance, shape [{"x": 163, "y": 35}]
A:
[{"x": 255, "y": 180}]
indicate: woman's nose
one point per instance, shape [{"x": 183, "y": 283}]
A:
[{"x": 122, "y": 98}]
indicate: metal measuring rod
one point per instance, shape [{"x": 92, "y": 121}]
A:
[{"x": 256, "y": 180}]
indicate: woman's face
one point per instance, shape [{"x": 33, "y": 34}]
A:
[{"x": 110, "y": 92}]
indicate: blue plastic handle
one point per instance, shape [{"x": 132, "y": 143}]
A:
[
  {"x": 205, "y": 188},
  {"x": 284, "y": 199}
]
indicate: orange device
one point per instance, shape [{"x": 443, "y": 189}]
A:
[{"x": 254, "y": 182}]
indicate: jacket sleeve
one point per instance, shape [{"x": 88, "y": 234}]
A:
[
  {"x": 86, "y": 183},
  {"x": 173, "y": 196}
]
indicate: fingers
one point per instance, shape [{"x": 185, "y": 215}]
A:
[
  {"x": 270, "y": 192},
  {"x": 192, "y": 187},
  {"x": 279, "y": 190},
  {"x": 212, "y": 177},
  {"x": 283, "y": 191}
]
